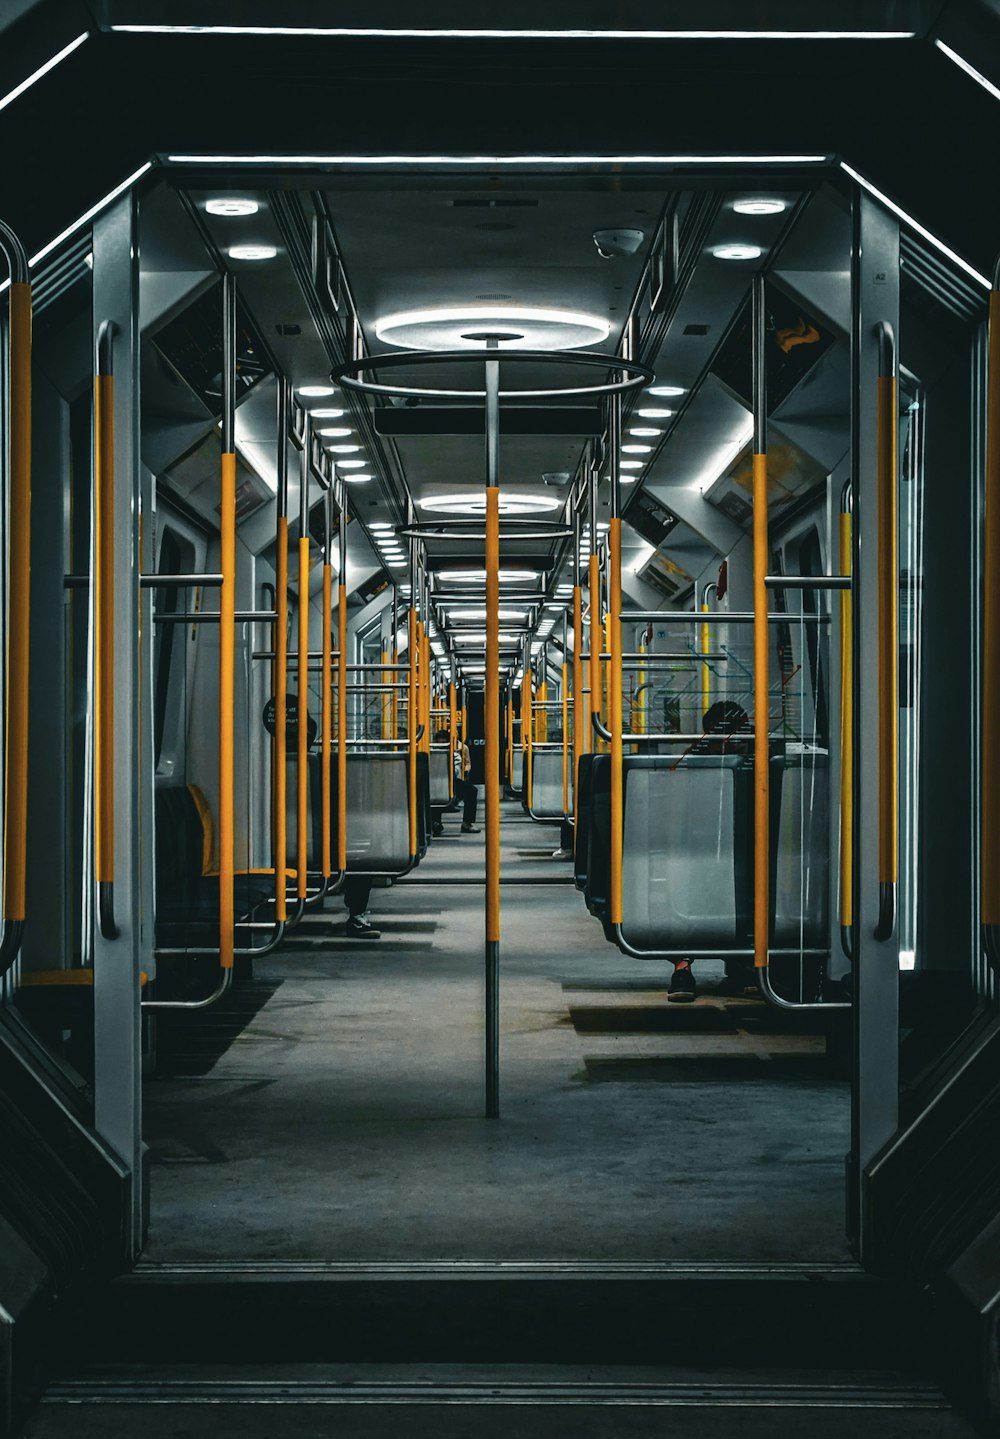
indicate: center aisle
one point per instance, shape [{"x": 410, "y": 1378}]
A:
[{"x": 333, "y": 1109}]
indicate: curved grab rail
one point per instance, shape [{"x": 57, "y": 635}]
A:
[
  {"x": 104, "y": 631},
  {"x": 15, "y": 816},
  {"x": 989, "y": 860},
  {"x": 886, "y": 441},
  {"x": 846, "y": 731}
]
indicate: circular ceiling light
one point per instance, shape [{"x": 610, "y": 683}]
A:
[
  {"x": 398, "y": 564},
  {"x": 308, "y": 392},
  {"x": 759, "y": 207},
  {"x": 335, "y": 432},
  {"x": 637, "y": 449},
  {"x": 480, "y": 614},
  {"x": 380, "y": 525},
  {"x": 666, "y": 391},
  {"x": 476, "y": 504},
  {"x": 252, "y": 252},
  {"x": 344, "y": 449},
  {"x": 327, "y": 415},
  {"x": 231, "y": 206},
  {"x": 631, "y": 464},
  {"x": 471, "y": 327},
  {"x": 654, "y": 412},
  {"x": 644, "y": 430},
  {"x": 736, "y": 252},
  {"x": 357, "y": 479},
  {"x": 351, "y": 464}
]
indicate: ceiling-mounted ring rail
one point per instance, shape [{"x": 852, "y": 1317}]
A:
[
  {"x": 634, "y": 376},
  {"x": 465, "y": 530}
]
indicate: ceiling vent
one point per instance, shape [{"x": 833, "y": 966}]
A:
[{"x": 496, "y": 295}]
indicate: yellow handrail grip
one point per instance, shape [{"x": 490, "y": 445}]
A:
[
  {"x": 846, "y": 733},
  {"x": 280, "y": 718},
  {"x": 614, "y": 630},
  {"x": 104, "y": 629},
  {"x": 492, "y": 704},
  {"x": 761, "y": 749},
  {"x": 15, "y": 828},
  {"x": 227, "y": 667},
  {"x": 302, "y": 707},
  {"x": 888, "y": 681},
  {"x": 411, "y": 725},
  {"x": 326, "y": 720},
  {"x": 594, "y": 663},
  {"x": 342, "y": 728},
  {"x": 990, "y": 803}
]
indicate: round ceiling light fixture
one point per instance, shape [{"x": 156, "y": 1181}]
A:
[
  {"x": 472, "y": 327},
  {"x": 654, "y": 412},
  {"x": 335, "y": 432},
  {"x": 645, "y": 430},
  {"x": 631, "y": 464},
  {"x": 759, "y": 207},
  {"x": 736, "y": 252},
  {"x": 358, "y": 479},
  {"x": 637, "y": 449},
  {"x": 351, "y": 464},
  {"x": 480, "y": 614},
  {"x": 309, "y": 392},
  {"x": 327, "y": 415},
  {"x": 666, "y": 391},
  {"x": 344, "y": 449},
  {"x": 252, "y": 252},
  {"x": 475, "y": 504},
  {"x": 230, "y": 205}
]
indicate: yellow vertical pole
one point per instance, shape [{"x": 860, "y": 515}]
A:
[
  {"x": 565, "y": 740},
  {"x": 452, "y": 725},
  {"x": 411, "y": 724},
  {"x": 761, "y": 676},
  {"x": 387, "y": 676},
  {"x": 581, "y": 716},
  {"x": 705, "y": 648},
  {"x": 527, "y": 727},
  {"x": 326, "y": 747},
  {"x": 614, "y": 630},
  {"x": 280, "y": 718},
  {"x": 639, "y": 722},
  {"x": 342, "y": 735},
  {"x": 542, "y": 698},
  {"x": 492, "y": 702},
  {"x": 594, "y": 666},
  {"x": 302, "y": 751}
]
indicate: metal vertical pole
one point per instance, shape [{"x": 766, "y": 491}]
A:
[
  {"x": 342, "y": 679},
  {"x": 227, "y": 628},
  {"x": 326, "y": 683},
  {"x": 761, "y": 678},
  {"x": 492, "y": 702}
]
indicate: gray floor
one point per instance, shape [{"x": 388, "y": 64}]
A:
[{"x": 344, "y": 1120}]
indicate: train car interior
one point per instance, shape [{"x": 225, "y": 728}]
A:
[{"x": 502, "y": 675}]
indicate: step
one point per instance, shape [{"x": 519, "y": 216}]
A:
[
  {"x": 830, "y": 1317},
  {"x": 510, "y": 1402}
]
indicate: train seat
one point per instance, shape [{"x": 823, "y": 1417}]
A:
[
  {"x": 547, "y": 785},
  {"x": 378, "y": 829},
  {"x": 800, "y": 852}
]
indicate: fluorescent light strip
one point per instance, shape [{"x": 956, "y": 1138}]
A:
[
  {"x": 454, "y": 33},
  {"x": 498, "y": 159},
  {"x": 79, "y": 223},
  {"x": 915, "y": 225},
  {"x": 969, "y": 69},
  {"x": 43, "y": 70}
]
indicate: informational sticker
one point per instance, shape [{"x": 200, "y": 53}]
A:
[{"x": 270, "y": 716}]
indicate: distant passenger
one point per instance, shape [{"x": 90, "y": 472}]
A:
[
  {"x": 726, "y": 727},
  {"x": 357, "y": 892},
  {"x": 464, "y": 788}
]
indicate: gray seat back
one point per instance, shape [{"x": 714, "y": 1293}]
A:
[
  {"x": 440, "y": 765},
  {"x": 547, "y": 785},
  {"x": 800, "y": 880}
]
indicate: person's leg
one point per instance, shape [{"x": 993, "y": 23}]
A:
[
  {"x": 471, "y": 795},
  {"x": 357, "y": 891},
  {"x": 682, "y": 987}
]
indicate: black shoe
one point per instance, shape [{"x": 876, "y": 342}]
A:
[
  {"x": 682, "y": 986},
  {"x": 471, "y": 829},
  {"x": 359, "y": 927}
]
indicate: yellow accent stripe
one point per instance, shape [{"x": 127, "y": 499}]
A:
[
  {"x": 227, "y": 664},
  {"x": 761, "y": 682},
  {"x": 15, "y": 828}
]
